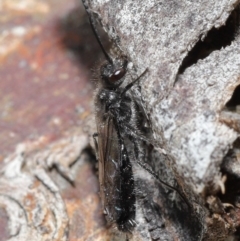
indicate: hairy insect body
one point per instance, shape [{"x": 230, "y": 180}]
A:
[
  {"x": 119, "y": 140},
  {"x": 122, "y": 140},
  {"x": 114, "y": 114},
  {"x": 115, "y": 120}
]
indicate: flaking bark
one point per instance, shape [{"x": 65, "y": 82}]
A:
[
  {"x": 197, "y": 134},
  {"x": 184, "y": 103}
]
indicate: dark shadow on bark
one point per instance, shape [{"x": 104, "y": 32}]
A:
[{"x": 215, "y": 40}]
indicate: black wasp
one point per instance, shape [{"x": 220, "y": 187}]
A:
[
  {"x": 116, "y": 127},
  {"x": 119, "y": 138}
]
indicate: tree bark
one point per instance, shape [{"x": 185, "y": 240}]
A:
[
  {"x": 193, "y": 64},
  {"x": 191, "y": 51}
]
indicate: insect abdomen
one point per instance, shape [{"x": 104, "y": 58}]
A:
[{"x": 126, "y": 220}]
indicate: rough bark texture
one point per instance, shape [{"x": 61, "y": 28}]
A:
[
  {"x": 158, "y": 35},
  {"x": 193, "y": 70},
  {"x": 184, "y": 99}
]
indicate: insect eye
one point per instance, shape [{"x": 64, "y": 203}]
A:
[{"x": 117, "y": 75}]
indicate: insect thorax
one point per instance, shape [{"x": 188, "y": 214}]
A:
[{"x": 118, "y": 106}]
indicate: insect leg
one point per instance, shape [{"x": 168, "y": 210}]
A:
[
  {"x": 143, "y": 110},
  {"x": 136, "y": 134},
  {"x": 129, "y": 86},
  {"x": 149, "y": 170},
  {"x": 146, "y": 167},
  {"x": 95, "y": 135}
]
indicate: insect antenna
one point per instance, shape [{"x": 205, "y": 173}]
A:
[{"x": 94, "y": 29}]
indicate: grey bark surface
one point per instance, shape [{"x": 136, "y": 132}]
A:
[
  {"x": 196, "y": 135},
  {"x": 184, "y": 109}
]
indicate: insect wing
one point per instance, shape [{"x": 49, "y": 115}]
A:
[{"x": 109, "y": 167}]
